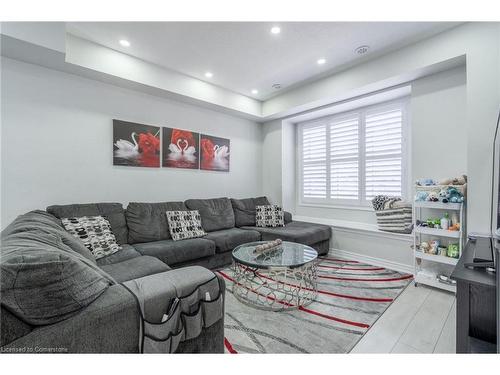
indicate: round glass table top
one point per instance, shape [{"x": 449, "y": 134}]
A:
[{"x": 288, "y": 254}]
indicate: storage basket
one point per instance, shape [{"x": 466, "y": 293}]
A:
[{"x": 395, "y": 218}]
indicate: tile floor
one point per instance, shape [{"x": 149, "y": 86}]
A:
[{"x": 421, "y": 320}]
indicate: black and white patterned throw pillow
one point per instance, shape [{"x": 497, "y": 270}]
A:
[
  {"x": 185, "y": 224},
  {"x": 95, "y": 232},
  {"x": 269, "y": 216}
]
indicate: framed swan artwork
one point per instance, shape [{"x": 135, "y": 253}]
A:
[
  {"x": 181, "y": 148},
  {"x": 214, "y": 153},
  {"x": 136, "y": 145}
]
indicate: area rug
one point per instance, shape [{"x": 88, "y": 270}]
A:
[{"x": 351, "y": 297}]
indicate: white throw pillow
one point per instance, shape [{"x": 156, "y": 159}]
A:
[
  {"x": 95, "y": 232},
  {"x": 185, "y": 224},
  {"x": 269, "y": 216}
]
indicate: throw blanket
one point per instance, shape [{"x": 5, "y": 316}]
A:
[
  {"x": 383, "y": 202},
  {"x": 175, "y": 306}
]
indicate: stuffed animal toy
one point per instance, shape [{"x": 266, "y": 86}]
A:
[
  {"x": 454, "y": 228},
  {"x": 454, "y": 196},
  {"x": 444, "y": 195},
  {"x": 434, "y": 245},
  {"x": 433, "y": 197},
  {"x": 424, "y": 247},
  {"x": 421, "y": 196},
  {"x": 454, "y": 181},
  {"x": 425, "y": 182}
]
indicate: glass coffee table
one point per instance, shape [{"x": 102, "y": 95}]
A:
[{"x": 280, "y": 279}]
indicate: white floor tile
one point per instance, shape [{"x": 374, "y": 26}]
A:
[{"x": 425, "y": 328}]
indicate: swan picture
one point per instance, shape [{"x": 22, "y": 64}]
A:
[
  {"x": 180, "y": 148},
  {"x": 126, "y": 149},
  {"x": 135, "y": 144},
  {"x": 215, "y": 153}
]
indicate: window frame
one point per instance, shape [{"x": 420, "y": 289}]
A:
[{"x": 360, "y": 203}]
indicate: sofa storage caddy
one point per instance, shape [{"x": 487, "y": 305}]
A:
[{"x": 176, "y": 306}]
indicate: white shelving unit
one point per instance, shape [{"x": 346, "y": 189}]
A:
[{"x": 426, "y": 274}]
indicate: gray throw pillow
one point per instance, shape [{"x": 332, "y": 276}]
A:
[
  {"x": 269, "y": 216},
  {"x": 42, "y": 284},
  {"x": 185, "y": 224},
  {"x": 95, "y": 232}
]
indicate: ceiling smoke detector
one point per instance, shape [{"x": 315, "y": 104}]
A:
[
  {"x": 277, "y": 86},
  {"x": 362, "y": 50}
]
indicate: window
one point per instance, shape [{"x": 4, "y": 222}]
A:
[{"x": 348, "y": 158}]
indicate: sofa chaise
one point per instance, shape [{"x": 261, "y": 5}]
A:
[{"x": 110, "y": 322}]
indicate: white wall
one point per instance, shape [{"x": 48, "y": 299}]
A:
[
  {"x": 272, "y": 144},
  {"x": 439, "y": 125},
  {"x": 57, "y": 144},
  {"x": 438, "y": 141}
]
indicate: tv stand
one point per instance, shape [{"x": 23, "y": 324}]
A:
[{"x": 476, "y": 302}]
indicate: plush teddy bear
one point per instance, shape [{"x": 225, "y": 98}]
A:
[{"x": 454, "y": 181}]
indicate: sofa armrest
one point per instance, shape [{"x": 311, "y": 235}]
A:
[
  {"x": 287, "y": 216},
  {"x": 110, "y": 324}
]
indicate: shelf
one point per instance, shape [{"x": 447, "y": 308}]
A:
[
  {"x": 438, "y": 205},
  {"x": 436, "y": 258},
  {"x": 431, "y": 281},
  {"x": 438, "y": 232}
]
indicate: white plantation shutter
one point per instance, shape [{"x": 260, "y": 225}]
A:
[
  {"x": 383, "y": 152},
  {"x": 314, "y": 166},
  {"x": 344, "y": 158},
  {"x": 351, "y": 157}
]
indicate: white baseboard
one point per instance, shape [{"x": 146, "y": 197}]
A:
[{"x": 348, "y": 255}]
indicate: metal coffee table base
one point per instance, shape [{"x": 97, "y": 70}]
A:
[{"x": 275, "y": 288}]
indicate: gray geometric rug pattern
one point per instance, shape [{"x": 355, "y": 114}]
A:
[{"x": 351, "y": 297}]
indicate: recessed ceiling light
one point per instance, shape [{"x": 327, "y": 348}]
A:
[
  {"x": 209, "y": 75},
  {"x": 275, "y": 30},
  {"x": 255, "y": 91},
  {"x": 125, "y": 43},
  {"x": 321, "y": 61},
  {"x": 362, "y": 49}
]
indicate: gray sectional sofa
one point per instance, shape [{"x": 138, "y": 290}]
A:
[{"x": 100, "y": 315}]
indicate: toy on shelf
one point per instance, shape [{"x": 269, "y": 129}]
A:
[
  {"x": 454, "y": 227},
  {"x": 453, "y": 251},
  {"x": 421, "y": 196},
  {"x": 425, "y": 182},
  {"x": 454, "y": 181},
  {"x": 434, "y": 245}
]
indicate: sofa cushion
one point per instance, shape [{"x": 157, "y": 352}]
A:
[
  {"x": 184, "y": 224},
  {"x": 147, "y": 222},
  {"x": 173, "y": 252},
  {"x": 127, "y": 252},
  {"x": 269, "y": 216},
  {"x": 95, "y": 232},
  {"x": 42, "y": 284},
  {"x": 228, "y": 239},
  {"x": 244, "y": 210},
  {"x": 112, "y": 211},
  {"x": 216, "y": 214},
  {"x": 296, "y": 231},
  {"x": 134, "y": 268},
  {"x": 44, "y": 222}
]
